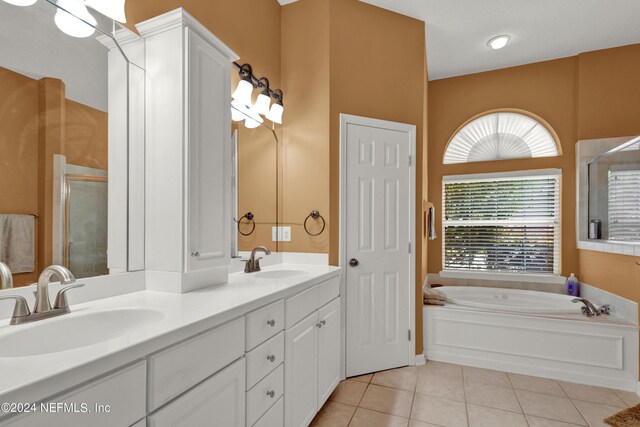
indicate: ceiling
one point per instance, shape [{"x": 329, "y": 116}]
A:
[{"x": 458, "y": 30}]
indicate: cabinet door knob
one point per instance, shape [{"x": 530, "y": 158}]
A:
[
  {"x": 271, "y": 394},
  {"x": 323, "y": 322},
  {"x": 271, "y": 322},
  {"x": 195, "y": 254},
  {"x": 271, "y": 358},
  {"x": 319, "y": 324},
  {"x": 354, "y": 262}
]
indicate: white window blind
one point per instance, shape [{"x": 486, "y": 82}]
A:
[
  {"x": 624, "y": 205},
  {"x": 502, "y": 223}
]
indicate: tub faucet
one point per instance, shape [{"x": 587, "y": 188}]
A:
[
  {"x": 6, "y": 279},
  {"x": 252, "y": 264},
  {"x": 589, "y": 309}
]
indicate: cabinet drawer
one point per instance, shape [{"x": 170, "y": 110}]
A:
[
  {"x": 124, "y": 392},
  {"x": 300, "y": 306},
  {"x": 264, "y": 359},
  {"x": 274, "y": 416},
  {"x": 328, "y": 290},
  {"x": 259, "y": 397},
  {"x": 264, "y": 323},
  {"x": 178, "y": 368},
  {"x": 217, "y": 402}
]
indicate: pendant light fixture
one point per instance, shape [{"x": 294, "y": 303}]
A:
[
  {"x": 21, "y": 2},
  {"x": 242, "y": 105},
  {"x": 73, "y": 18}
]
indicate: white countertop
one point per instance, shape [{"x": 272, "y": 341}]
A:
[{"x": 32, "y": 378}]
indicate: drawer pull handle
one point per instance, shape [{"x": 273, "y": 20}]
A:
[
  {"x": 323, "y": 322},
  {"x": 319, "y": 325},
  {"x": 271, "y": 394},
  {"x": 271, "y": 322},
  {"x": 195, "y": 254},
  {"x": 271, "y": 358}
]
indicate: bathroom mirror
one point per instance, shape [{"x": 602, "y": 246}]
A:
[
  {"x": 64, "y": 193},
  {"x": 255, "y": 185},
  {"x": 614, "y": 194}
]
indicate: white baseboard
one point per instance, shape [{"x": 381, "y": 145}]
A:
[{"x": 420, "y": 359}]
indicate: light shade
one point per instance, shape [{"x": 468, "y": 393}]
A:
[
  {"x": 262, "y": 104},
  {"x": 114, "y": 9},
  {"x": 275, "y": 113},
  {"x": 498, "y": 42},
  {"x": 243, "y": 92},
  {"x": 21, "y": 2},
  {"x": 242, "y": 112},
  {"x": 250, "y": 123},
  {"x": 67, "y": 18}
]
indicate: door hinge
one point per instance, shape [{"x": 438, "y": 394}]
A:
[
  {"x": 409, "y": 334},
  {"x": 410, "y": 161},
  {"x": 409, "y": 247}
]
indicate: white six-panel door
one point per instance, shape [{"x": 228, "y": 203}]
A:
[{"x": 377, "y": 218}]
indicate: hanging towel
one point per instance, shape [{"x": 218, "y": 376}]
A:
[
  {"x": 432, "y": 223},
  {"x": 17, "y": 242}
]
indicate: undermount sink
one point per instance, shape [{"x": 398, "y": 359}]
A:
[
  {"x": 280, "y": 274},
  {"x": 70, "y": 332}
]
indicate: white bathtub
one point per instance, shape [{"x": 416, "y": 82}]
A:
[
  {"x": 511, "y": 300},
  {"x": 531, "y": 333}
]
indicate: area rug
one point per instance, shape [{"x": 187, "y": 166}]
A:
[{"x": 628, "y": 418}]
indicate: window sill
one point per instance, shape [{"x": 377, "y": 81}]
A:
[{"x": 510, "y": 277}]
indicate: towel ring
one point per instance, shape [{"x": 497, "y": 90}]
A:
[
  {"x": 249, "y": 217},
  {"x": 315, "y": 215}
]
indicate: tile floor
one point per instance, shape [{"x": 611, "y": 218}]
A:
[{"x": 442, "y": 394}]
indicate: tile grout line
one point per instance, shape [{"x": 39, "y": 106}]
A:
[
  {"x": 573, "y": 404},
  {"x": 464, "y": 391},
  {"x": 518, "y": 399}
]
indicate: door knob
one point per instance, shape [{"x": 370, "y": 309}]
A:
[{"x": 354, "y": 262}]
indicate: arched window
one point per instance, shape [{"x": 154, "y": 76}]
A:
[{"x": 501, "y": 135}]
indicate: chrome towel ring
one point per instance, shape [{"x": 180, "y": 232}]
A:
[
  {"x": 249, "y": 217},
  {"x": 314, "y": 215}
]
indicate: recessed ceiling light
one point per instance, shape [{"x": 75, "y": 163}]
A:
[{"x": 498, "y": 42}]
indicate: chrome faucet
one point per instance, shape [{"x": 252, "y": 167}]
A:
[
  {"x": 42, "y": 308},
  {"x": 589, "y": 309},
  {"x": 252, "y": 264},
  {"x": 6, "y": 279}
]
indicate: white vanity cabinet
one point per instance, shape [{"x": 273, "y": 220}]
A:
[
  {"x": 188, "y": 154},
  {"x": 218, "y": 401},
  {"x": 312, "y": 351}
]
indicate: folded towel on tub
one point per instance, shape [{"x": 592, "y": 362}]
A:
[
  {"x": 430, "y": 293},
  {"x": 17, "y": 242},
  {"x": 431, "y": 301}
]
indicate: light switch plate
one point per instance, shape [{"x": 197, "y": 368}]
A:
[{"x": 281, "y": 234}]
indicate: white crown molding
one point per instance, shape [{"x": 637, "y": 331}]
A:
[
  {"x": 124, "y": 37},
  {"x": 181, "y": 18}
]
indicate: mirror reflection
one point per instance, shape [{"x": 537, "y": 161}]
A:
[
  {"x": 256, "y": 188},
  {"x": 614, "y": 194},
  {"x": 54, "y": 142}
]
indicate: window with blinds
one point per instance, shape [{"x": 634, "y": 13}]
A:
[
  {"x": 502, "y": 223},
  {"x": 624, "y": 205}
]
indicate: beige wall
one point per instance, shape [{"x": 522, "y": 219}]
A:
[
  {"x": 305, "y": 170},
  {"x": 36, "y": 122},
  {"x": 592, "y": 95},
  {"x": 609, "y": 106},
  {"x": 378, "y": 69},
  {"x": 252, "y": 29},
  {"x": 547, "y": 89}
]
